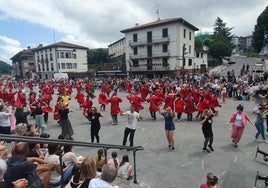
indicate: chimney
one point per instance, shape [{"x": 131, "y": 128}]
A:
[
  {"x": 136, "y": 24},
  {"x": 40, "y": 45},
  {"x": 28, "y": 47}
]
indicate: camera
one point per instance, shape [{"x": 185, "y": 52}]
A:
[{"x": 212, "y": 181}]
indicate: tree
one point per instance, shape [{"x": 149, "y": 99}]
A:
[
  {"x": 260, "y": 29},
  {"x": 97, "y": 56},
  {"x": 222, "y": 37},
  {"x": 198, "y": 43}
]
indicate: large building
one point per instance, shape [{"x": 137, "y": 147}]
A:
[
  {"x": 160, "y": 48},
  {"x": 117, "y": 48},
  {"x": 60, "y": 57},
  {"x": 23, "y": 64}
]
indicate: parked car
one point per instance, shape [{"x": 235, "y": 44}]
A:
[
  {"x": 231, "y": 60},
  {"x": 258, "y": 67}
]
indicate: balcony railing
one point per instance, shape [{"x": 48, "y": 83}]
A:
[
  {"x": 106, "y": 147},
  {"x": 145, "y": 42},
  {"x": 145, "y": 56}
]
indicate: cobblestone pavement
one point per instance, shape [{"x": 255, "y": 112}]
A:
[{"x": 187, "y": 166}]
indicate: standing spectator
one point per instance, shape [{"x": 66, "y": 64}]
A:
[
  {"x": 66, "y": 127},
  {"x": 114, "y": 160},
  {"x": 132, "y": 121},
  {"x": 125, "y": 169},
  {"x": 109, "y": 173},
  {"x": 5, "y": 114},
  {"x": 259, "y": 123},
  {"x": 115, "y": 109},
  {"x": 206, "y": 122},
  {"x": 169, "y": 126},
  {"x": 239, "y": 120},
  {"x": 12, "y": 117},
  {"x": 93, "y": 117}
]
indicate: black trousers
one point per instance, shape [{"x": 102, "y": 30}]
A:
[
  {"x": 126, "y": 133},
  {"x": 95, "y": 133}
]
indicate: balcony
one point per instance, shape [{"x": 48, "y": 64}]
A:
[
  {"x": 155, "y": 40},
  {"x": 152, "y": 67},
  {"x": 145, "y": 56}
]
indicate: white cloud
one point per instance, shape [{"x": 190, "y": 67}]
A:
[{"x": 9, "y": 47}]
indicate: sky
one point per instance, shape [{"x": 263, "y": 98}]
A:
[{"x": 97, "y": 23}]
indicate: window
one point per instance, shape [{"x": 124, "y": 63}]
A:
[
  {"x": 58, "y": 55},
  {"x": 74, "y": 50},
  {"x": 184, "y": 33},
  {"x": 68, "y": 55},
  {"x": 74, "y": 66},
  {"x": 149, "y": 36},
  {"x": 47, "y": 66},
  {"x": 39, "y": 68},
  {"x": 189, "y": 62},
  {"x": 201, "y": 55},
  {"x": 165, "y": 47},
  {"x": 190, "y": 35},
  {"x": 190, "y": 49},
  {"x": 197, "y": 54},
  {"x": 149, "y": 51},
  {"x": 74, "y": 56},
  {"x": 165, "y": 62},
  {"x": 135, "y": 51},
  {"x": 63, "y": 65},
  {"x": 165, "y": 32},
  {"x": 135, "y": 37},
  {"x": 51, "y": 67},
  {"x": 38, "y": 60},
  {"x": 69, "y": 66},
  {"x": 50, "y": 49},
  {"x": 50, "y": 57},
  {"x": 62, "y": 55},
  {"x": 135, "y": 63}
]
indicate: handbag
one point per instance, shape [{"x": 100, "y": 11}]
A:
[{"x": 34, "y": 181}]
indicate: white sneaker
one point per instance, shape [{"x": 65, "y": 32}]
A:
[
  {"x": 256, "y": 140},
  {"x": 265, "y": 141}
]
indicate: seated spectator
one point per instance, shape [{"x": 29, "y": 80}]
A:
[
  {"x": 55, "y": 177},
  {"x": 3, "y": 151},
  {"x": 21, "y": 129},
  {"x": 109, "y": 173},
  {"x": 125, "y": 168},
  {"x": 114, "y": 160},
  {"x": 43, "y": 146},
  {"x": 70, "y": 158},
  {"x": 21, "y": 183},
  {"x": 87, "y": 171},
  {"x": 19, "y": 167},
  {"x": 100, "y": 160},
  {"x": 31, "y": 131},
  {"x": 35, "y": 151}
]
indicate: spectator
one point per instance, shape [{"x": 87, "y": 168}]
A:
[
  {"x": 18, "y": 166},
  {"x": 55, "y": 177},
  {"x": 114, "y": 160},
  {"x": 87, "y": 171},
  {"x": 5, "y": 124},
  {"x": 100, "y": 160},
  {"x": 109, "y": 173},
  {"x": 212, "y": 181},
  {"x": 125, "y": 169}
]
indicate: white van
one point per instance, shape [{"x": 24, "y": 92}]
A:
[{"x": 59, "y": 76}]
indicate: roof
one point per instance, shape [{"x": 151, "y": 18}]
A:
[
  {"x": 61, "y": 44},
  {"x": 117, "y": 41},
  {"x": 23, "y": 52},
  {"x": 161, "y": 22}
]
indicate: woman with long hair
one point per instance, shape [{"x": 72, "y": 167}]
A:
[
  {"x": 206, "y": 122},
  {"x": 93, "y": 117},
  {"x": 87, "y": 171},
  {"x": 125, "y": 169}
]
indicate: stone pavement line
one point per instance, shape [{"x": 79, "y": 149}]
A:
[{"x": 187, "y": 165}]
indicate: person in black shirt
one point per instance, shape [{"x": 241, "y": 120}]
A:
[
  {"x": 206, "y": 123},
  {"x": 21, "y": 116},
  {"x": 94, "y": 116}
]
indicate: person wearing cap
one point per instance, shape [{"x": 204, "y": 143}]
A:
[{"x": 239, "y": 120}]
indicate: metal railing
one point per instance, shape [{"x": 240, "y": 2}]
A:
[{"x": 106, "y": 147}]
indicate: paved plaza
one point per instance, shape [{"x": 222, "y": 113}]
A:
[{"x": 187, "y": 166}]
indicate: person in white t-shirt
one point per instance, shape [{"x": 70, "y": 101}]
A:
[
  {"x": 109, "y": 173},
  {"x": 132, "y": 121}
]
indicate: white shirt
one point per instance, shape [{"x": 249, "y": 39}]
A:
[
  {"x": 132, "y": 119},
  {"x": 99, "y": 183},
  {"x": 4, "y": 119},
  {"x": 238, "y": 120},
  {"x": 54, "y": 177}
]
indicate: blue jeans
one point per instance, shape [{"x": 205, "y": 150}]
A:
[{"x": 260, "y": 128}]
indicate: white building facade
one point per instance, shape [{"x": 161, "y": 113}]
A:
[
  {"x": 162, "y": 47},
  {"x": 60, "y": 57},
  {"x": 117, "y": 48}
]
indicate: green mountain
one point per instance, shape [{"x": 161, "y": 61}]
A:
[{"x": 5, "y": 68}]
